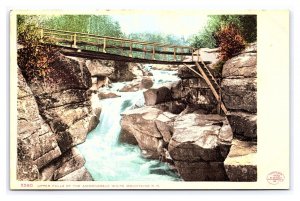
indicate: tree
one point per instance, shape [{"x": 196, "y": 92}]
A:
[{"x": 246, "y": 24}]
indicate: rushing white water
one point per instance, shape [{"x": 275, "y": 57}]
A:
[{"x": 109, "y": 160}]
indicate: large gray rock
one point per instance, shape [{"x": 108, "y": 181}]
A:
[
  {"x": 126, "y": 71},
  {"x": 146, "y": 82},
  {"x": 157, "y": 95},
  {"x": 243, "y": 65},
  {"x": 140, "y": 123},
  {"x": 200, "y": 142},
  {"x": 243, "y": 124},
  {"x": 241, "y": 162},
  {"x": 240, "y": 94},
  {"x": 100, "y": 68}
]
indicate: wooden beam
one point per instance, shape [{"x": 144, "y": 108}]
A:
[
  {"x": 175, "y": 54},
  {"x": 215, "y": 93}
]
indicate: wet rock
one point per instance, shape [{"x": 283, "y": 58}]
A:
[
  {"x": 243, "y": 125},
  {"x": 105, "y": 95},
  {"x": 154, "y": 96},
  {"x": 140, "y": 123},
  {"x": 146, "y": 82},
  {"x": 131, "y": 86},
  {"x": 241, "y": 162},
  {"x": 201, "y": 141}
]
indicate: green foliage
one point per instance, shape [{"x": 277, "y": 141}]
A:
[
  {"x": 33, "y": 58},
  {"x": 246, "y": 24},
  {"x": 159, "y": 38},
  {"x": 94, "y": 24}
]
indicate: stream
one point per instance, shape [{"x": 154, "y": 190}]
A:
[{"x": 109, "y": 160}]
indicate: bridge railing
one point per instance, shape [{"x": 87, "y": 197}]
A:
[{"x": 120, "y": 46}]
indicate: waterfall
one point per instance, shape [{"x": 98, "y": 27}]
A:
[{"x": 109, "y": 160}]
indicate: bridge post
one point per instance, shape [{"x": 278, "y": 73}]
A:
[
  {"x": 104, "y": 45},
  {"x": 144, "y": 52},
  {"x": 192, "y": 50},
  {"x": 153, "y": 52},
  {"x": 130, "y": 47},
  {"x": 165, "y": 56},
  {"x": 175, "y": 53},
  {"x": 74, "y": 41}
]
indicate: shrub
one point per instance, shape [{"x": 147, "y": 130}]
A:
[
  {"x": 33, "y": 57},
  {"x": 230, "y": 40}
]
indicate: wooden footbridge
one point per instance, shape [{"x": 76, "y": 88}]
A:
[{"x": 93, "y": 46}]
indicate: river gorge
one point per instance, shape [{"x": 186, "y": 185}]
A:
[{"x": 99, "y": 120}]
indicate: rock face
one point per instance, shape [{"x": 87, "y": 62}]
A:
[
  {"x": 37, "y": 144},
  {"x": 243, "y": 125},
  {"x": 240, "y": 92},
  {"x": 199, "y": 146},
  {"x": 241, "y": 164},
  {"x": 240, "y": 97},
  {"x": 60, "y": 117}
]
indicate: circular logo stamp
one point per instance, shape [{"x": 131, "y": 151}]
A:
[{"x": 275, "y": 177}]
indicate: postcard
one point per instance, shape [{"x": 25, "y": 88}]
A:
[{"x": 139, "y": 99}]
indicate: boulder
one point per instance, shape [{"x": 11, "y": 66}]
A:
[
  {"x": 240, "y": 94},
  {"x": 147, "y": 82},
  {"x": 243, "y": 65},
  {"x": 157, "y": 95},
  {"x": 78, "y": 175},
  {"x": 241, "y": 162},
  {"x": 106, "y": 94},
  {"x": 140, "y": 123},
  {"x": 126, "y": 72},
  {"x": 203, "y": 141},
  {"x": 100, "y": 68},
  {"x": 243, "y": 125}
]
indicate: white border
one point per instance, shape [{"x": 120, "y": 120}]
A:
[{"x": 293, "y": 5}]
